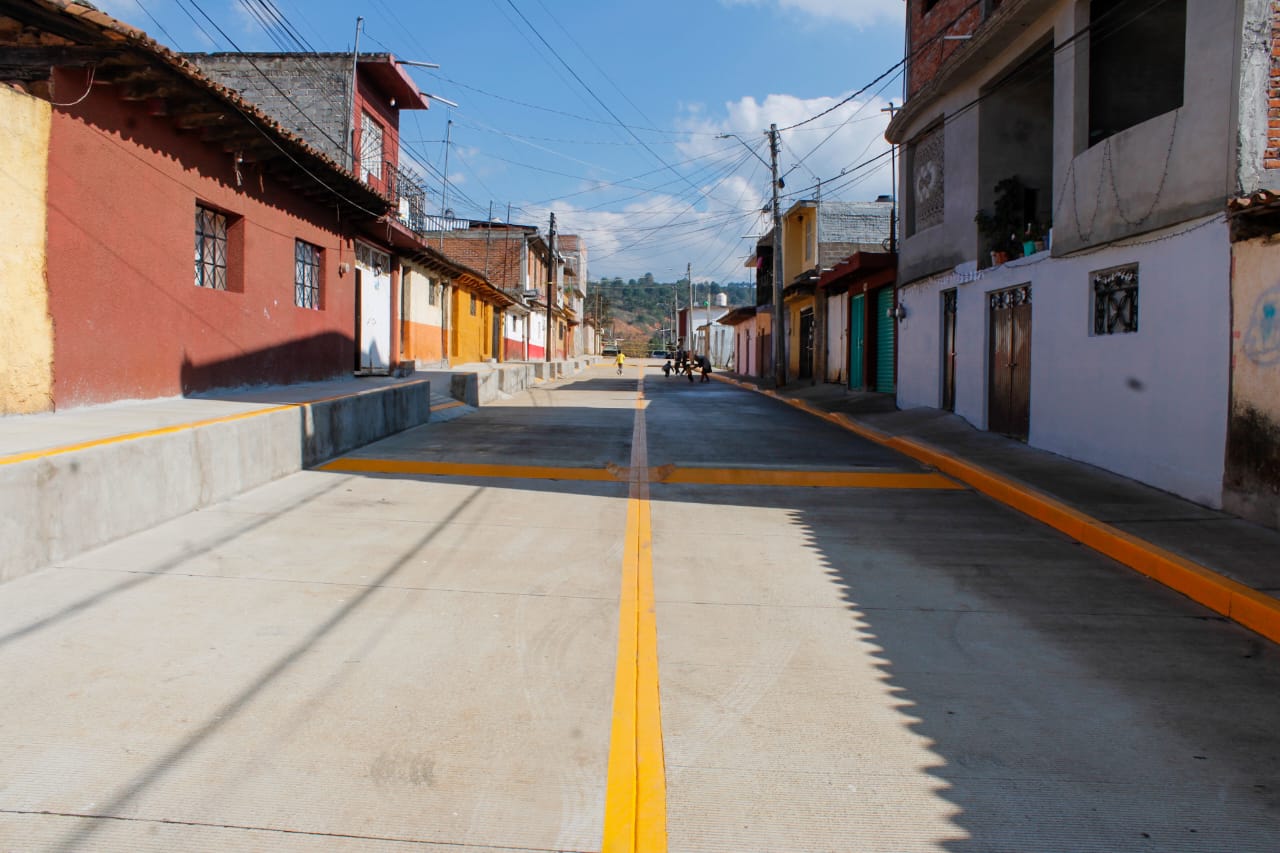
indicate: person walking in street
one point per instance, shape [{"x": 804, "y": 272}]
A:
[
  {"x": 666, "y": 369},
  {"x": 704, "y": 364},
  {"x": 688, "y": 368},
  {"x": 621, "y": 360}
]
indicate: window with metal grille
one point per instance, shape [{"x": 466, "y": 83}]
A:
[
  {"x": 306, "y": 275},
  {"x": 370, "y": 147},
  {"x": 473, "y": 305},
  {"x": 1115, "y": 300},
  {"x": 211, "y": 249}
]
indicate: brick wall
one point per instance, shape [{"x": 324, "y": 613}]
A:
[
  {"x": 498, "y": 256},
  {"x": 925, "y": 46},
  {"x": 1272, "y": 156},
  {"x": 317, "y": 90}
]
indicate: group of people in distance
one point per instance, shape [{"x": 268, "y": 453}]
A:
[{"x": 686, "y": 362}]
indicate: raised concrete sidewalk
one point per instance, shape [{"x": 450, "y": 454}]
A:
[
  {"x": 483, "y": 382},
  {"x": 1230, "y": 565},
  {"x": 77, "y": 479}
]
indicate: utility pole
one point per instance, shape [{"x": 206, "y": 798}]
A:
[
  {"x": 779, "y": 322},
  {"x": 551, "y": 281},
  {"x": 893, "y": 179},
  {"x": 444, "y": 177},
  {"x": 688, "y": 273},
  {"x": 351, "y": 99}
]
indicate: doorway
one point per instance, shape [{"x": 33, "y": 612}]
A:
[
  {"x": 949, "y": 350},
  {"x": 1009, "y": 389},
  {"x": 806, "y": 344},
  {"x": 373, "y": 309}
]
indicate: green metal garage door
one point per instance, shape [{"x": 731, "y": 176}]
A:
[
  {"x": 884, "y": 340},
  {"x": 857, "y": 339}
]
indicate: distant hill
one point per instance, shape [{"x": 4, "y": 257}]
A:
[{"x": 637, "y": 309}]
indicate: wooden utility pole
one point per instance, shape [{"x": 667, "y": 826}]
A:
[
  {"x": 551, "y": 281},
  {"x": 779, "y": 321}
]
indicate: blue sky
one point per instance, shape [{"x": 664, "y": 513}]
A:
[{"x": 528, "y": 134}]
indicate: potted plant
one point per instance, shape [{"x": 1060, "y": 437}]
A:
[
  {"x": 1033, "y": 238},
  {"x": 1001, "y": 227}
]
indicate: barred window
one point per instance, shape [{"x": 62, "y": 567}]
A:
[
  {"x": 1115, "y": 300},
  {"x": 306, "y": 275},
  {"x": 211, "y": 249},
  {"x": 473, "y": 305},
  {"x": 371, "y": 152}
]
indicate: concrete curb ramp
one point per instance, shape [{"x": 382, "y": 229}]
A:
[
  {"x": 1254, "y": 610},
  {"x": 61, "y": 501}
]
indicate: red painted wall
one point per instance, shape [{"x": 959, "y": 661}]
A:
[{"x": 129, "y": 321}]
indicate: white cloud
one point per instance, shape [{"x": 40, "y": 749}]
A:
[
  {"x": 661, "y": 233},
  {"x": 859, "y": 13}
]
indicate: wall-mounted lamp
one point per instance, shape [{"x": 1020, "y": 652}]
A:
[
  {"x": 344, "y": 268},
  {"x": 898, "y": 312}
]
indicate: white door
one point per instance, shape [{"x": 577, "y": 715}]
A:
[
  {"x": 375, "y": 308},
  {"x": 837, "y": 337}
]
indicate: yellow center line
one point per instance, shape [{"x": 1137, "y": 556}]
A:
[
  {"x": 823, "y": 479},
  {"x": 635, "y": 815}
]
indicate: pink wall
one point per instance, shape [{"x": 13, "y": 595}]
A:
[{"x": 129, "y": 321}]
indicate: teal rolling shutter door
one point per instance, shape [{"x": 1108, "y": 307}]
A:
[
  {"x": 884, "y": 340},
  {"x": 857, "y": 339}
]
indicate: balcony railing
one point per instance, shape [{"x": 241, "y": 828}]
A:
[{"x": 408, "y": 194}]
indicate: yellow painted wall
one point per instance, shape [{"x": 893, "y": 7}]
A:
[
  {"x": 26, "y": 329},
  {"x": 793, "y": 308},
  {"x": 794, "y": 257},
  {"x": 472, "y": 335}
]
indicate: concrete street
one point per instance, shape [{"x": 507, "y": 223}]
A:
[{"x": 418, "y": 650}]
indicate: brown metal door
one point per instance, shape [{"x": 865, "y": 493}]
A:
[
  {"x": 1020, "y": 370},
  {"x": 949, "y": 350},
  {"x": 806, "y": 343},
  {"x": 1009, "y": 392}
]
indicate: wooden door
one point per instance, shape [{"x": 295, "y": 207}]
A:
[
  {"x": 1009, "y": 391},
  {"x": 949, "y": 350}
]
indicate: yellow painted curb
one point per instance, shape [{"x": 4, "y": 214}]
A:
[
  {"x": 359, "y": 465},
  {"x": 1254, "y": 610}
]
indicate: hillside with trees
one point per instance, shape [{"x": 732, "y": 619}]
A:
[{"x": 636, "y": 311}]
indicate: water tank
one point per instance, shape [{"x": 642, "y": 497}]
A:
[{"x": 720, "y": 300}]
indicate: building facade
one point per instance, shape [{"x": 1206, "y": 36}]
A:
[
  {"x": 1061, "y": 159},
  {"x": 123, "y": 184}
]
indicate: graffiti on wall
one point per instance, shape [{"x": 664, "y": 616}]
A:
[{"x": 1262, "y": 335}]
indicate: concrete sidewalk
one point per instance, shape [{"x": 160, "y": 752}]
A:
[
  {"x": 76, "y": 479},
  {"x": 1132, "y": 515}
]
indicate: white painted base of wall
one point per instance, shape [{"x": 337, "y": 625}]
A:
[{"x": 1150, "y": 405}]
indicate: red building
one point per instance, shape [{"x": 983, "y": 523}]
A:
[{"x": 151, "y": 165}]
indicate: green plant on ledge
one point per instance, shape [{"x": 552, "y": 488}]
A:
[{"x": 1002, "y": 227}]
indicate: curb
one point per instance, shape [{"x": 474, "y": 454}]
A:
[{"x": 1244, "y": 605}]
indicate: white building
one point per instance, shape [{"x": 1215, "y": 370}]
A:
[{"x": 1121, "y": 122}]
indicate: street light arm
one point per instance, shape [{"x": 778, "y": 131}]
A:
[{"x": 745, "y": 145}]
